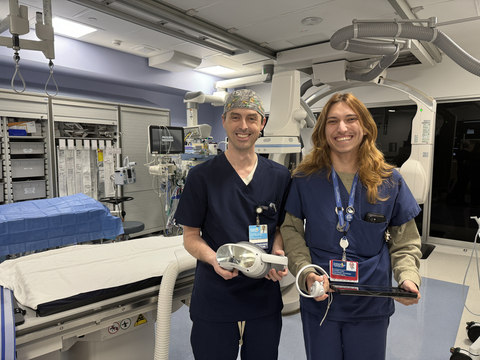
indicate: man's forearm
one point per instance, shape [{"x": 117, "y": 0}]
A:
[{"x": 197, "y": 247}]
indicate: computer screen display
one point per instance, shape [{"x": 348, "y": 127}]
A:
[{"x": 166, "y": 140}]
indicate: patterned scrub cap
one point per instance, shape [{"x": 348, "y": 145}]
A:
[{"x": 244, "y": 99}]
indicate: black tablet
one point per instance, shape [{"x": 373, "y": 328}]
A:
[{"x": 371, "y": 290}]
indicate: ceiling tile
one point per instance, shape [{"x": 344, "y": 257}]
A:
[{"x": 240, "y": 14}]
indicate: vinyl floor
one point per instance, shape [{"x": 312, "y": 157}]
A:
[{"x": 424, "y": 331}]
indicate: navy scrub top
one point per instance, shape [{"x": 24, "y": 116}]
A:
[
  {"x": 217, "y": 201},
  {"x": 312, "y": 198}
]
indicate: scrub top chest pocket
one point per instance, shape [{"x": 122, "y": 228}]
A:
[
  {"x": 266, "y": 215},
  {"x": 375, "y": 218},
  {"x": 267, "y": 211},
  {"x": 372, "y": 234}
]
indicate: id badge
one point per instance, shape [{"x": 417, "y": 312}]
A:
[
  {"x": 346, "y": 271},
  {"x": 258, "y": 235}
]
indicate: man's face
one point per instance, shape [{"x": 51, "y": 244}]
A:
[
  {"x": 343, "y": 130},
  {"x": 243, "y": 128}
]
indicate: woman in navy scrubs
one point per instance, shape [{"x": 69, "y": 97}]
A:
[
  {"x": 351, "y": 213},
  {"x": 223, "y": 198}
]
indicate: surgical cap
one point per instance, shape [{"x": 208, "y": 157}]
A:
[{"x": 244, "y": 99}]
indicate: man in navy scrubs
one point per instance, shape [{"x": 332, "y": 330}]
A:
[{"x": 223, "y": 200}]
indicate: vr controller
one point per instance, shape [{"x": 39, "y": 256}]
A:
[{"x": 316, "y": 289}]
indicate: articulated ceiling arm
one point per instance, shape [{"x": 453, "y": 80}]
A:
[
  {"x": 18, "y": 24},
  {"x": 360, "y": 38}
]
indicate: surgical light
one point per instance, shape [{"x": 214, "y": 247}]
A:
[
  {"x": 70, "y": 28},
  {"x": 249, "y": 259}
]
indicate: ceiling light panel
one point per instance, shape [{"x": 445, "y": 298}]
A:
[
  {"x": 216, "y": 70},
  {"x": 240, "y": 70},
  {"x": 70, "y": 28}
]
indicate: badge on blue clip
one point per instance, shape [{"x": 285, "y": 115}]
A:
[{"x": 258, "y": 235}]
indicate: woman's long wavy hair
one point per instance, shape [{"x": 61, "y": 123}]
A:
[{"x": 373, "y": 170}]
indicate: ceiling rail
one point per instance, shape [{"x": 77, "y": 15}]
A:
[{"x": 170, "y": 14}]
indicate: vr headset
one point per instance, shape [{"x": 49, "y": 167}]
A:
[{"x": 249, "y": 259}]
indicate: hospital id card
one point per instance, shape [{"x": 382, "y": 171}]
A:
[
  {"x": 346, "y": 271},
  {"x": 258, "y": 235}
]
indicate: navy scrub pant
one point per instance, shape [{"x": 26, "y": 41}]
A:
[
  {"x": 220, "y": 341},
  {"x": 337, "y": 340}
]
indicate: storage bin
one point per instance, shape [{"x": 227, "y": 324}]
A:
[
  {"x": 27, "y": 190},
  {"x": 27, "y": 147},
  {"x": 17, "y": 132},
  {"x": 28, "y": 167}
]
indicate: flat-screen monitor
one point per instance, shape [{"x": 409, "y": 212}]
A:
[{"x": 166, "y": 140}]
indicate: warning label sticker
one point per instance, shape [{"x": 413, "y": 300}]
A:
[{"x": 140, "y": 320}]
